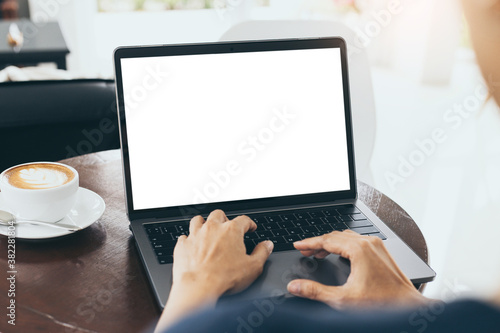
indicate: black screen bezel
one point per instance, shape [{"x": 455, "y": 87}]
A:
[{"x": 232, "y": 47}]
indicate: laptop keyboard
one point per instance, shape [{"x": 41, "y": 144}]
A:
[{"x": 282, "y": 228}]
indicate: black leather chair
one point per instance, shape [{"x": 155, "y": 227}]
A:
[{"x": 53, "y": 120}]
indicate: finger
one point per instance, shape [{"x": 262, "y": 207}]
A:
[
  {"x": 321, "y": 254},
  {"x": 195, "y": 224},
  {"x": 309, "y": 244},
  {"x": 258, "y": 257},
  {"x": 342, "y": 243},
  {"x": 255, "y": 267},
  {"x": 246, "y": 223},
  {"x": 179, "y": 242},
  {"x": 217, "y": 216},
  {"x": 312, "y": 290},
  {"x": 261, "y": 252},
  {"x": 308, "y": 253}
]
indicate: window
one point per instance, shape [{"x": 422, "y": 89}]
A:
[{"x": 160, "y": 5}]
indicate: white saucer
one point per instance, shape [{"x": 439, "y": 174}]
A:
[{"x": 89, "y": 208}]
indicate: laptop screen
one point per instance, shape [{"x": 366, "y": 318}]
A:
[{"x": 210, "y": 128}]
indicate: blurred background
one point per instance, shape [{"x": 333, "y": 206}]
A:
[{"x": 437, "y": 142}]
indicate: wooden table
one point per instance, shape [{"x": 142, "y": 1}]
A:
[
  {"x": 93, "y": 280},
  {"x": 43, "y": 42}
]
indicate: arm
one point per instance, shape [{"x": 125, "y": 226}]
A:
[
  {"x": 375, "y": 278},
  {"x": 212, "y": 260},
  {"x": 484, "y": 22},
  {"x": 496, "y": 299}
]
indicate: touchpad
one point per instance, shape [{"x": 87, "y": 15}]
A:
[{"x": 283, "y": 267}]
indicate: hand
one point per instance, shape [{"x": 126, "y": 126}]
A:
[
  {"x": 212, "y": 260},
  {"x": 215, "y": 252},
  {"x": 375, "y": 278}
]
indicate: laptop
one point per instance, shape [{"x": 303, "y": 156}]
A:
[{"x": 261, "y": 128}]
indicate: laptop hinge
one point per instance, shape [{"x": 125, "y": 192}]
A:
[
  {"x": 290, "y": 207},
  {"x": 259, "y": 211},
  {"x": 256, "y": 211}
]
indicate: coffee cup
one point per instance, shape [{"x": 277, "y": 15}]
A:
[{"x": 39, "y": 191}]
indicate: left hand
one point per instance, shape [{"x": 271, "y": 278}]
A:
[
  {"x": 215, "y": 252},
  {"x": 212, "y": 260}
]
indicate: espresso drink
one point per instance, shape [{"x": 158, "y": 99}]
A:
[{"x": 38, "y": 176}]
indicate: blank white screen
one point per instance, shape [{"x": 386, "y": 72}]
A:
[{"x": 224, "y": 127}]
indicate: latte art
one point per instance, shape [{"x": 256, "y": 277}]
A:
[{"x": 39, "y": 176}]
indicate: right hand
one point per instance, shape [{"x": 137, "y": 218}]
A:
[{"x": 375, "y": 278}]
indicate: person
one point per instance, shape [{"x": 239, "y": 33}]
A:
[
  {"x": 377, "y": 296},
  {"x": 213, "y": 261},
  {"x": 484, "y": 25}
]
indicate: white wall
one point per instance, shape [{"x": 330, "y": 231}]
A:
[
  {"x": 92, "y": 36},
  {"x": 418, "y": 41}
]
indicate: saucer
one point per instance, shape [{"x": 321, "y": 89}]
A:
[{"x": 88, "y": 208}]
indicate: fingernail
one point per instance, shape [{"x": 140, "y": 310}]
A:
[
  {"x": 298, "y": 242},
  {"x": 294, "y": 288},
  {"x": 270, "y": 246}
]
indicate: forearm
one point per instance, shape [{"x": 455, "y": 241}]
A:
[
  {"x": 179, "y": 306},
  {"x": 209, "y": 262},
  {"x": 484, "y": 21},
  {"x": 187, "y": 297}
]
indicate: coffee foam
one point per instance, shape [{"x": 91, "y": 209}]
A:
[{"x": 39, "y": 176}]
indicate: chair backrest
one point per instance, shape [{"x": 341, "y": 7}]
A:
[
  {"x": 53, "y": 120},
  {"x": 24, "y": 10},
  {"x": 362, "y": 101}
]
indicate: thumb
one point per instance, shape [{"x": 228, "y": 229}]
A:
[
  {"x": 311, "y": 289},
  {"x": 262, "y": 251}
]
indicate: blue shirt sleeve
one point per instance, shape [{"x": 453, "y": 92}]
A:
[{"x": 306, "y": 316}]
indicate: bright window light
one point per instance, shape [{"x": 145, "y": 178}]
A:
[{"x": 107, "y": 6}]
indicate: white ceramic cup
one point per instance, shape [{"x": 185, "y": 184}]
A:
[{"x": 40, "y": 204}]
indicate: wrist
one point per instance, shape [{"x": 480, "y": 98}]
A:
[
  {"x": 419, "y": 299},
  {"x": 190, "y": 292},
  {"x": 200, "y": 285},
  {"x": 413, "y": 297}
]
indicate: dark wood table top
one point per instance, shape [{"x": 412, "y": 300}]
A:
[{"x": 93, "y": 280}]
